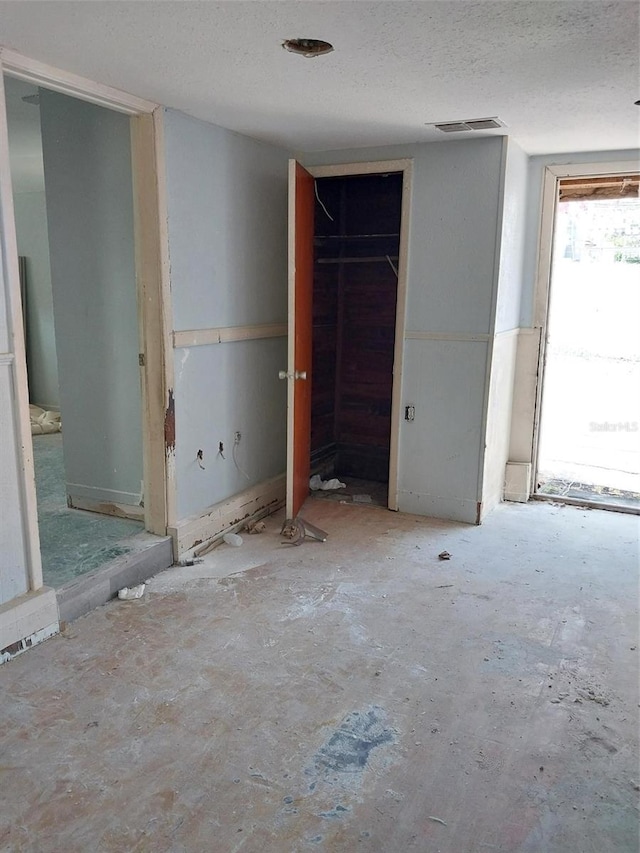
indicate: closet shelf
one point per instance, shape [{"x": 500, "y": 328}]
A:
[
  {"x": 353, "y": 236},
  {"x": 364, "y": 260}
]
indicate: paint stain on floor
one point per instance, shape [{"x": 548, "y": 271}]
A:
[{"x": 347, "y": 750}]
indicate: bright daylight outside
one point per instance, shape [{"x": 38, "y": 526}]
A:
[{"x": 590, "y": 420}]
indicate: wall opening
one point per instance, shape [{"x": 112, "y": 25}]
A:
[
  {"x": 357, "y": 239},
  {"x": 590, "y": 414},
  {"x": 73, "y": 203}
]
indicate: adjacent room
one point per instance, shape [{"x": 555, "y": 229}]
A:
[{"x": 73, "y": 202}]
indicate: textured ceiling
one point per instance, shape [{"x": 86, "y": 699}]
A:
[{"x": 563, "y": 76}]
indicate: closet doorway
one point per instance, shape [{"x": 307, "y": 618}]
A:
[{"x": 357, "y": 334}]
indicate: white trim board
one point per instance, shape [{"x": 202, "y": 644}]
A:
[
  {"x": 18, "y": 363},
  {"x": 24, "y": 68},
  {"x": 228, "y": 334},
  {"x": 255, "y": 502},
  {"x": 23, "y": 618}
]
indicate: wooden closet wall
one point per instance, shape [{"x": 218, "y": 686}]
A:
[{"x": 354, "y": 312}]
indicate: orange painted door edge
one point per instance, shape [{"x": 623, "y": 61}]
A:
[{"x": 301, "y": 227}]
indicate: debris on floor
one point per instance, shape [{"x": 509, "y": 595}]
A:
[
  {"x": 296, "y": 530},
  {"x": 256, "y": 527},
  {"x": 444, "y": 555},
  {"x": 131, "y": 593},
  {"x": 362, "y": 499},
  {"x": 316, "y": 483},
  {"x": 232, "y": 539}
]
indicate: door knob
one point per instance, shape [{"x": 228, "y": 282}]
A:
[
  {"x": 282, "y": 374},
  {"x": 300, "y": 374}
]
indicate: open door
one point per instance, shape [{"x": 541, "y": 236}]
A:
[{"x": 298, "y": 373}]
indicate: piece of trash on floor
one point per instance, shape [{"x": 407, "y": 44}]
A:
[
  {"x": 190, "y": 561},
  {"x": 256, "y": 527},
  {"x": 362, "y": 499},
  {"x": 316, "y": 483},
  {"x": 444, "y": 555},
  {"x": 295, "y": 530},
  {"x": 131, "y": 593},
  {"x": 437, "y": 820},
  {"x": 232, "y": 539}
]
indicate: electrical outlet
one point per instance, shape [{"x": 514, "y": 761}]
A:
[{"x": 409, "y": 413}]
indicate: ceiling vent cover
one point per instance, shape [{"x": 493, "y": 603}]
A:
[
  {"x": 469, "y": 124},
  {"x": 453, "y": 127}
]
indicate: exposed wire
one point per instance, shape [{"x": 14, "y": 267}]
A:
[
  {"x": 235, "y": 461},
  {"x": 320, "y": 202},
  {"x": 393, "y": 267}
]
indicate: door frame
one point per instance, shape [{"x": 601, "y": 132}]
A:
[
  {"x": 379, "y": 167},
  {"x": 152, "y": 290},
  {"x": 551, "y": 179}
]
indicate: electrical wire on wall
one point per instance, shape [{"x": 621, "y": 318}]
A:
[
  {"x": 320, "y": 202},
  {"x": 236, "y": 442}
]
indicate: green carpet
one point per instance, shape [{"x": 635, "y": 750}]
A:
[{"x": 72, "y": 542}]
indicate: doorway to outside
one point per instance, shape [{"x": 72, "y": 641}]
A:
[
  {"x": 589, "y": 429},
  {"x": 355, "y": 289}
]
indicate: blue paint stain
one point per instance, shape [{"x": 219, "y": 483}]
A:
[
  {"x": 348, "y": 749},
  {"x": 337, "y": 812}
]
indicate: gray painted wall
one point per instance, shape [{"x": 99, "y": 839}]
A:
[
  {"x": 454, "y": 236},
  {"x": 227, "y": 219},
  {"x": 33, "y": 242},
  {"x": 512, "y": 240},
  {"x": 13, "y": 557},
  {"x": 87, "y": 162},
  {"x": 507, "y": 311}
]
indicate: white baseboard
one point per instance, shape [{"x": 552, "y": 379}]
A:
[
  {"x": 136, "y": 513},
  {"x": 222, "y": 517},
  {"x": 26, "y": 621},
  {"x": 91, "y": 497},
  {"x": 517, "y": 482}
]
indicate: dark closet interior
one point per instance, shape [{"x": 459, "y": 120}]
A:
[{"x": 357, "y": 238}]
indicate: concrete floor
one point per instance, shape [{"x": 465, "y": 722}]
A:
[{"x": 356, "y": 695}]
